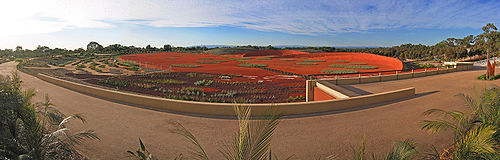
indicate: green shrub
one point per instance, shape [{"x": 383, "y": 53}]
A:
[
  {"x": 314, "y": 60},
  {"x": 302, "y": 63},
  {"x": 164, "y": 81},
  {"x": 265, "y": 58},
  {"x": 287, "y": 59},
  {"x": 246, "y": 58},
  {"x": 338, "y": 65},
  {"x": 342, "y": 61},
  {"x": 344, "y": 71},
  {"x": 252, "y": 65},
  {"x": 351, "y": 67},
  {"x": 210, "y": 62},
  {"x": 204, "y": 82},
  {"x": 185, "y": 65},
  {"x": 483, "y": 77},
  {"x": 357, "y": 63},
  {"x": 304, "y": 57},
  {"x": 362, "y": 67},
  {"x": 112, "y": 82}
]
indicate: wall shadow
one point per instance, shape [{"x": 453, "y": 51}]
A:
[{"x": 359, "y": 108}]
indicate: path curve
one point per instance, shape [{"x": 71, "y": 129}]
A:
[{"x": 120, "y": 125}]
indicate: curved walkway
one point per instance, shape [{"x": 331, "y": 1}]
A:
[{"x": 119, "y": 125}]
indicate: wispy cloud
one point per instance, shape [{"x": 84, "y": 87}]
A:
[{"x": 308, "y": 17}]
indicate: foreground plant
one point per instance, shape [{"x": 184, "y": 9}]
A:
[
  {"x": 33, "y": 131},
  {"x": 476, "y": 133}
]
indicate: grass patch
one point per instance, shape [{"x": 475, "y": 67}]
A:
[
  {"x": 287, "y": 59},
  {"x": 357, "y": 63},
  {"x": 210, "y": 62},
  {"x": 304, "y": 57},
  {"x": 314, "y": 60},
  {"x": 252, "y": 65},
  {"x": 343, "y": 71},
  {"x": 246, "y": 58},
  {"x": 307, "y": 63},
  {"x": 185, "y": 65},
  {"x": 342, "y": 61}
]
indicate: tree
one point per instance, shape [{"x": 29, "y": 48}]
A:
[
  {"x": 167, "y": 47},
  {"x": 489, "y": 40},
  {"x": 19, "y": 48},
  {"x": 94, "y": 47}
]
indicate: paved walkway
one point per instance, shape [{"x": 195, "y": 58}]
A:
[{"x": 119, "y": 125}]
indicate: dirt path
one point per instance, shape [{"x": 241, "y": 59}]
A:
[{"x": 119, "y": 125}]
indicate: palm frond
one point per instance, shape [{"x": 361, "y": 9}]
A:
[
  {"x": 432, "y": 154},
  {"x": 402, "y": 150},
  {"x": 260, "y": 134},
  {"x": 456, "y": 115},
  {"x": 80, "y": 137},
  {"x": 477, "y": 142},
  {"x": 198, "y": 152},
  {"x": 433, "y": 126},
  {"x": 68, "y": 119}
]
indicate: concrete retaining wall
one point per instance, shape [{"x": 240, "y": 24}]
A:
[{"x": 227, "y": 109}]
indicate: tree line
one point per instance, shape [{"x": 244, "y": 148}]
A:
[{"x": 487, "y": 42}]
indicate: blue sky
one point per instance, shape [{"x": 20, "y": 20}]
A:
[{"x": 73, "y": 23}]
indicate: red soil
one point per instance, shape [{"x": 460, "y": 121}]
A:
[
  {"x": 319, "y": 95},
  {"x": 382, "y": 62},
  {"x": 164, "y": 60}
]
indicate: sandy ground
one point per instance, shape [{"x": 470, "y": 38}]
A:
[{"x": 308, "y": 137}]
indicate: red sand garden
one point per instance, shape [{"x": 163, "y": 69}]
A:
[{"x": 255, "y": 77}]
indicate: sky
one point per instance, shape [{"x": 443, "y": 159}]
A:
[{"x": 74, "y": 23}]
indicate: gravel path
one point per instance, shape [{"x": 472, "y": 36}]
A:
[{"x": 119, "y": 125}]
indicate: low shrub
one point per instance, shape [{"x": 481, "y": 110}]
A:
[
  {"x": 357, "y": 63},
  {"x": 164, "y": 81},
  {"x": 112, "y": 82},
  {"x": 246, "y": 58},
  {"x": 302, "y": 63},
  {"x": 314, "y": 60},
  {"x": 265, "y": 58},
  {"x": 342, "y": 61},
  {"x": 344, "y": 71},
  {"x": 483, "y": 77},
  {"x": 338, "y": 65},
  {"x": 287, "y": 59},
  {"x": 252, "y": 65},
  {"x": 210, "y": 62},
  {"x": 204, "y": 82},
  {"x": 362, "y": 67},
  {"x": 304, "y": 57},
  {"x": 185, "y": 65}
]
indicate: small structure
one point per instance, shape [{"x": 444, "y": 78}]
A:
[{"x": 460, "y": 65}]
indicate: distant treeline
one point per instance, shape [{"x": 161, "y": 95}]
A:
[{"x": 449, "y": 49}]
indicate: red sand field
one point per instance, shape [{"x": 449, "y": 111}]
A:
[{"x": 284, "y": 60}]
